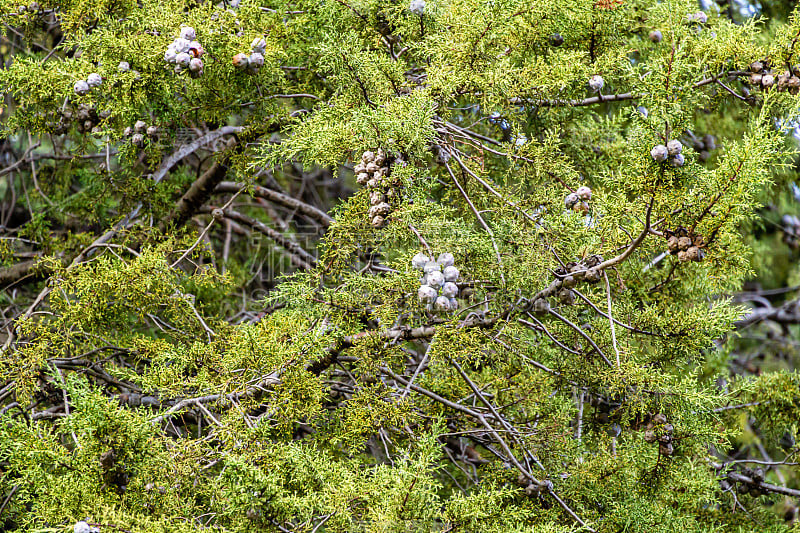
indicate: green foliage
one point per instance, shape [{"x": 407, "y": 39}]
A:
[{"x": 181, "y": 352}]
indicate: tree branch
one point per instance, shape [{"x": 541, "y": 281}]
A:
[{"x": 285, "y": 200}]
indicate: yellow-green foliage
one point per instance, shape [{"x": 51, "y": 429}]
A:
[{"x": 325, "y": 404}]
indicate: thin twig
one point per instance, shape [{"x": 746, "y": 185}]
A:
[
  {"x": 611, "y": 320},
  {"x": 480, "y": 219}
]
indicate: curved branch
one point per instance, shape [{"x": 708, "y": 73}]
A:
[
  {"x": 296, "y": 253},
  {"x": 285, "y": 200}
]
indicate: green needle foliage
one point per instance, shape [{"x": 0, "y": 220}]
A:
[{"x": 224, "y": 303}]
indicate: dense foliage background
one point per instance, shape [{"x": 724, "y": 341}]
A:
[{"x": 221, "y": 302}]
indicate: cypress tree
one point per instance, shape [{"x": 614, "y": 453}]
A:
[{"x": 438, "y": 265}]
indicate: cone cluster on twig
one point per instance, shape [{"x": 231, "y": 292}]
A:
[
  {"x": 672, "y": 152},
  {"x": 745, "y": 480},
  {"x": 185, "y": 52},
  {"x": 685, "y": 245},
  {"x": 578, "y": 200},
  {"x": 85, "y": 117},
  {"x": 137, "y": 133},
  {"x": 567, "y": 279},
  {"x": 788, "y": 80},
  {"x": 659, "y": 430},
  {"x": 373, "y": 173},
  {"x": 544, "y": 486},
  {"x": 438, "y": 289},
  {"x": 596, "y": 83},
  {"x": 703, "y": 145},
  {"x": 763, "y": 77},
  {"x": 253, "y": 61},
  {"x": 134, "y": 399},
  {"x": 92, "y": 81}
]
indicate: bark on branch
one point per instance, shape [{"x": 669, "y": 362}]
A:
[{"x": 230, "y": 187}]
